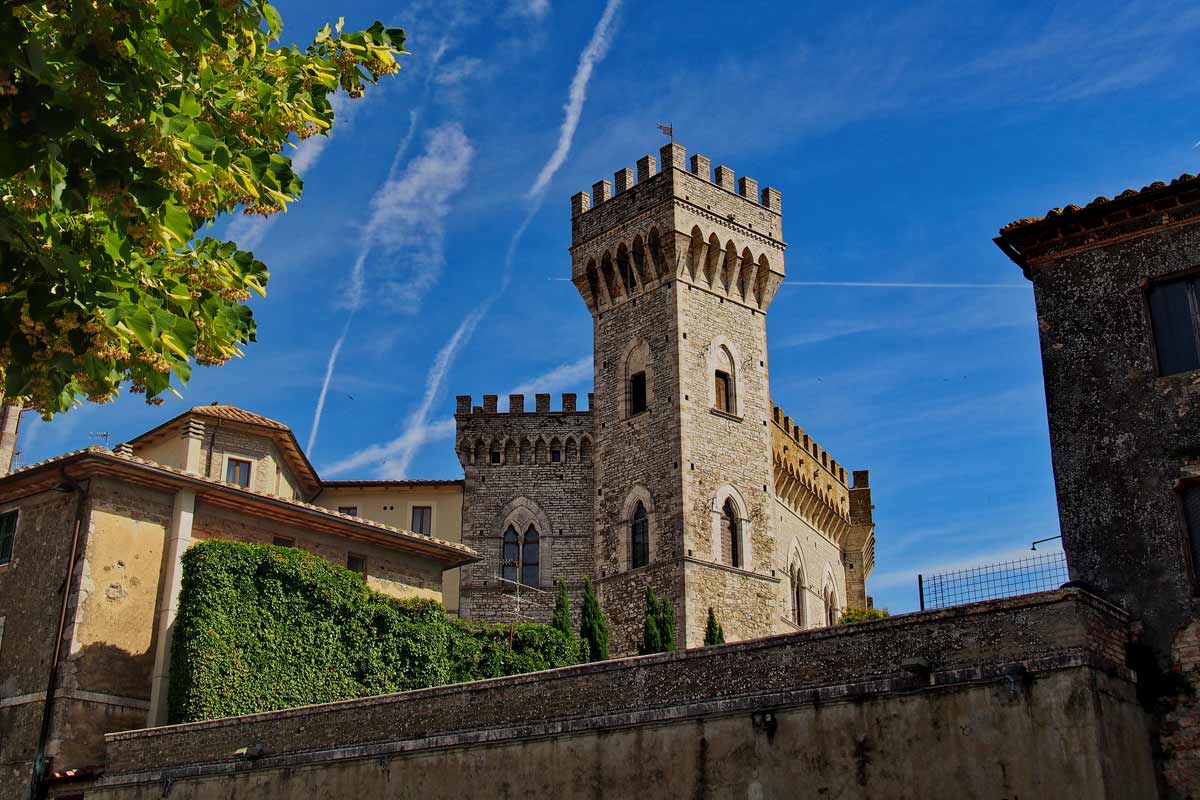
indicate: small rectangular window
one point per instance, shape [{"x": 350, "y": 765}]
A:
[
  {"x": 495, "y": 456},
  {"x": 1191, "y": 519},
  {"x": 1175, "y": 318},
  {"x": 357, "y": 563},
  {"x": 555, "y": 456},
  {"x": 422, "y": 519},
  {"x": 350, "y": 510},
  {"x": 237, "y": 471},
  {"x": 637, "y": 393},
  {"x": 283, "y": 541},
  {"x": 8, "y": 535},
  {"x": 722, "y": 392}
]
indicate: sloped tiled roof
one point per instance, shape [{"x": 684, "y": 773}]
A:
[
  {"x": 1068, "y": 211},
  {"x": 238, "y": 415},
  {"x": 107, "y": 455},
  {"x": 385, "y": 484}
]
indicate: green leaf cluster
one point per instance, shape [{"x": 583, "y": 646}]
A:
[
  {"x": 658, "y": 631},
  {"x": 262, "y": 628},
  {"x": 851, "y": 615},
  {"x": 593, "y": 625},
  {"x": 713, "y": 632},
  {"x": 126, "y": 126}
]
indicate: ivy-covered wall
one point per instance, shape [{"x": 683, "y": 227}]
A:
[{"x": 262, "y": 628}]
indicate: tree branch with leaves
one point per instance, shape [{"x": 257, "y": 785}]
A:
[{"x": 126, "y": 126}]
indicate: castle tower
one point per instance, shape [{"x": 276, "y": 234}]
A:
[{"x": 678, "y": 270}]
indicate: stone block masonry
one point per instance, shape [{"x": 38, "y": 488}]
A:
[
  {"x": 525, "y": 470},
  {"x": 991, "y": 700}
]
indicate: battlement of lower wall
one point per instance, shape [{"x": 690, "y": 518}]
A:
[
  {"x": 817, "y": 455},
  {"x": 463, "y": 405},
  {"x": 1001, "y": 670}
]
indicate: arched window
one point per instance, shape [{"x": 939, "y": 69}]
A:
[
  {"x": 639, "y": 537},
  {"x": 731, "y": 543},
  {"x": 637, "y": 393},
  {"x": 530, "y": 557},
  {"x": 831, "y": 609},
  {"x": 636, "y": 373},
  {"x": 510, "y": 555}
]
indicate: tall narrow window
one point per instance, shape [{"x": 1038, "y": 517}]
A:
[
  {"x": 510, "y": 555},
  {"x": 637, "y": 393},
  {"x": 731, "y": 534},
  {"x": 530, "y": 557},
  {"x": 237, "y": 471},
  {"x": 831, "y": 612},
  {"x": 1191, "y": 518},
  {"x": 639, "y": 537},
  {"x": 8, "y": 534},
  {"x": 798, "y": 597},
  {"x": 422, "y": 519},
  {"x": 1175, "y": 317},
  {"x": 721, "y": 390}
]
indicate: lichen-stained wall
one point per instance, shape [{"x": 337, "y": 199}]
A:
[
  {"x": 1019, "y": 698},
  {"x": 394, "y": 574},
  {"x": 511, "y": 478},
  {"x": 1121, "y": 434},
  {"x": 31, "y": 588}
]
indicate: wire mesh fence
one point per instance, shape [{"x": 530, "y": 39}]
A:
[{"x": 1034, "y": 574}]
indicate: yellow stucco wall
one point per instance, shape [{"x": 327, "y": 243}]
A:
[{"x": 392, "y": 505}]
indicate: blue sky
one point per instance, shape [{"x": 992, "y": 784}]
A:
[{"x": 430, "y": 246}]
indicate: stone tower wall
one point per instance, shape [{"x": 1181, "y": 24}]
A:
[{"x": 525, "y": 487}]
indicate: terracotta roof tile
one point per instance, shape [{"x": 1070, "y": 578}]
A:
[
  {"x": 1067, "y": 211},
  {"x": 238, "y": 415}
]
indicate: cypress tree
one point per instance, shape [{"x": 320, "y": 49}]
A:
[
  {"x": 713, "y": 633},
  {"x": 666, "y": 625},
  {"x": 593, "y": 627},
  {"x": 562, "y": 610},
  {"x": 651, "y": 637}
]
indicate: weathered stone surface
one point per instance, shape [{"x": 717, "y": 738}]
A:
[{"x": 1010, "y": 687}]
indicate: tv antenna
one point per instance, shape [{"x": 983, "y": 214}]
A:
[{"x": 101, "y": 436}]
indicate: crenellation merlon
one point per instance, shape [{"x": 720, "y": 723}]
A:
[
  {"x": 804, "y": 444},
  {"x": 674, "y": 157},
  {"x": 516, "y": 405}
]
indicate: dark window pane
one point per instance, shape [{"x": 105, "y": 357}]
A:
[
  {"x": 422, "y": 519},
  {"x": 8, "y": 534},
  {"x": 722, "y": 392},
  {"x": 356, "y": 564},
  {"x": 510, "y": 555},
  {"x": 495, "y": 456},
  {"x": 351, "y": 510},
  {"x": 637, "y": 393},
  {"x": 640, "y": 537},
  {"x": 529, "y": 558},
  {"x": 555, "y": 455},
  {"x": 1191, "y": 513},
  {"x": 1173, "y": 314},
  {"x": 732, "y": 534},
  {"x": 283, "y": 541}
]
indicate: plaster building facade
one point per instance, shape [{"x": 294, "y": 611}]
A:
[
  {"x": 1117, "y": 285},
  {"x": 681, "y": 474},
  {"x": 90, "y": 576}
]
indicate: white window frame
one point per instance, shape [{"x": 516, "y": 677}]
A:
[{"x": 432, "y": 514}]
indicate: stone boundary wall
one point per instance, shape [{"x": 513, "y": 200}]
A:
[{"x": 1011, "y": 641}]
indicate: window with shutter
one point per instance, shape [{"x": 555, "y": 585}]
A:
[
  {"x": 1175, "y": 318},
  {"x": 724, "y": 400}
]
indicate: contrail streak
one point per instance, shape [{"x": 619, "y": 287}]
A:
[{"x": 876, "y": 285}]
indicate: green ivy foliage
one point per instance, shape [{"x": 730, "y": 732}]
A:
[{"x": 262, "y": 628}]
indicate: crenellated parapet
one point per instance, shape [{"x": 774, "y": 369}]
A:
[
  {"x": 808, "y": 480},
  {"x": 686, "y": 222},
  {"x": 521, "y": 436}
]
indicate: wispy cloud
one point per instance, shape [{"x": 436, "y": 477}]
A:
[
  {"x": 530, "y": 8},
  {"x": 591, "y": 55},
  {"x": 561, "y": 378},
  {"x": 392, "y": 458},
  {"x": 398, "y": 454}
]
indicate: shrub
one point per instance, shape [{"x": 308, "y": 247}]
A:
[
  {"x": 658, "y": 632},
  {"x": 593, "y": 627},
  {"x": 713, "y": 632},
  {"x": 262, "y": 628},
  {"x": 851, "y": 615}
]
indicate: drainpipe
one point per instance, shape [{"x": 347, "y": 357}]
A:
[{"x": 37, "y": 788}]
